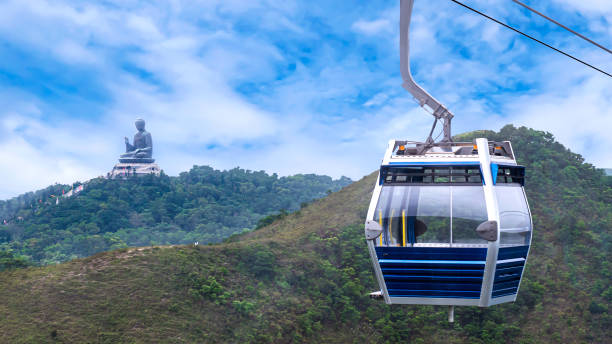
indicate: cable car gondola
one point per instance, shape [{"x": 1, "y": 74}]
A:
[{"x": 448, "y": 223}]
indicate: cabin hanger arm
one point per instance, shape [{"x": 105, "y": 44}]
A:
[{"x": 439, "y": 111}]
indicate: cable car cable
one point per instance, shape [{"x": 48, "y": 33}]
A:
[
  {"x": 530, "y": 37},
  {"x": 563, "y": 26}
]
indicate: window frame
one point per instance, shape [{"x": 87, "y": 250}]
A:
[{"x": 438, "y": 174}]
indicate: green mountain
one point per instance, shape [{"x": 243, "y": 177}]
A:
[
  {"x": 305, "y": 277},
  {"x": 203, "y": 205},
  {"x": 608, "y": 171}
]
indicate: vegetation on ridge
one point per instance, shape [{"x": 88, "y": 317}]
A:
[{"x": 203, "y": 205}]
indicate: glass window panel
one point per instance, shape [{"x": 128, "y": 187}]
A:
[
  {"x": 441, "y": 180},
  {"x": 469, "y": 210},
  {"x": 434, "y": 210},
  {"x": 514, "y": 239},
  {"x": 458, "y": 179},
  {"x": 432, "y": 207},
  {"x": 392, "y": 201},
  {"x": 475, "y": 179},
  {"x": 515, "y": 222}
]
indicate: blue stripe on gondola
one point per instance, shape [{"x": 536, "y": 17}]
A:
[
  {"x": 494, "y": 169},
  {"x": 474, "y": 287},
  {"x": 482, "y": 176},
  {"x": 441, "y": 272},
  {"x": 434, "y": 293},
  {"x": 511, "y": 264},
  {"x": 512, "y": 252},
  {"x": 431, "y": 253},
  {"x": 433, "y": 268},
  {"x": 432, "y": 272},
  {"x": 433, "y": 278},
  {"x": 505, "y": 285},
  {"x": 508, "y": 274},
  {"x": 504, "y": 292},
  {"x": 405, "y": 261},
  {"x": 509, "y": 270}
]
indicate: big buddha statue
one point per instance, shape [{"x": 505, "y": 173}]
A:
[{"x": 141, "y": 151}]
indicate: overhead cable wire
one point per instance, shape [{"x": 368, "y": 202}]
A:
[
  {"x": 563, "y": 26},
  {"x": 532, "y": 38}
]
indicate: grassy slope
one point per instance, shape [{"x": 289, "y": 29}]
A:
[{"x": 303, "y": 278}]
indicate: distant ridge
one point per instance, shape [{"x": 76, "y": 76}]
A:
[
  {"x": 608, "y": 171},
  {"x": 202, "y": 205}
]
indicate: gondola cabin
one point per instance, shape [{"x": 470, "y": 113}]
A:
[{"x": 449, "y": 224}]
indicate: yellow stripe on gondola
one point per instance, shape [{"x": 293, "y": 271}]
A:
[
  {"x": 403, "y": 228},
  {"x": 380, "y": 222},
  {"x": 390, "y": 223}
]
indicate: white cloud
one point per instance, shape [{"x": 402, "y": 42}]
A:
[
  {"x": 377, "y": 100},
  {"x": 589, "y": 7},
  {"x": 373, "y": 27},
  {"x": 145, "y": 26},
  {"x": 580, "y": 117},
  {"x": 35, "y": 155},
  {"x": 72, "y": 52}
]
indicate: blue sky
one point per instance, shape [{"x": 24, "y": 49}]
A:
[{"x": 282, "y": 86}]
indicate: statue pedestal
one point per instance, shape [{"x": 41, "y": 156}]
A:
[
  {"x": 136, "y": 160},
  {"x": 133, "y": 169}
]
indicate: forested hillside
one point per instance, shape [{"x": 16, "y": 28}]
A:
[
  {"x": 14, "y": 207},
  {"x": 203, "y": 205},
  {"x": 305, "y": 277}
]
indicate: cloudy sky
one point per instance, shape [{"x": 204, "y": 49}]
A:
[{"x": 282, "y": 86}]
